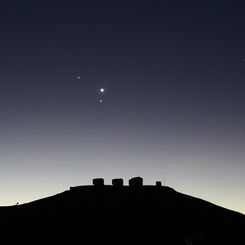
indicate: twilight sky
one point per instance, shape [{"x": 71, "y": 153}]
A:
[{"x": 173, "y": 108}]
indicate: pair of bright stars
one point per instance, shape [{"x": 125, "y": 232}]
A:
[{"x": 102, "y": 90}]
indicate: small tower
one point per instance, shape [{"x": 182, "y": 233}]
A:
[
  {"x": 136, "y": 182},
  {"x": 158, "y": 183},
  {"x": 117, "y": 182},
  {"x": 98, "y": 182}
]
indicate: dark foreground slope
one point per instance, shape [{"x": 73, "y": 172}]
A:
[{"x": 107, "y": 214}]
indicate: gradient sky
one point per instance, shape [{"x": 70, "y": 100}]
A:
[{"x": 173, "y": 107}]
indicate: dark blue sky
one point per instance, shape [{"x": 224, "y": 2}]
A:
[{"x": 173, "y": 107}]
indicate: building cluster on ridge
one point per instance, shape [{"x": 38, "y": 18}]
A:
[
  {"x": 133, "y": 182},
  {"x": 136, "y": 182}
]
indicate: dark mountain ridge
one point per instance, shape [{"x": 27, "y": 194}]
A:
[{"x": 139, "y": 213}]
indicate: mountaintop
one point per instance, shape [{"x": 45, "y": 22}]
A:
[{"x": 126, "y": 213}]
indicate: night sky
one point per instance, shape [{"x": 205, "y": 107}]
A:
[{"x": 172, "y": 109}]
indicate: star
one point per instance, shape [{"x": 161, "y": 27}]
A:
[
  {"x": 102, "y": 90},
  {"x": 101, "y": 101},
  {"x": 78, "y": 77}
]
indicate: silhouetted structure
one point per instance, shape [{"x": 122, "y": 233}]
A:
[
  {"x": 98, "y": 182},
  {"x": 133, "y": 213},
  {"x": 117, "y": 182},
  {"x": 158, "y": 183},
  {"x": 136, "y": 182}
]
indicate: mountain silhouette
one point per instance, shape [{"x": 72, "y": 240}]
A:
[{"x": 113, "y": 214}]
